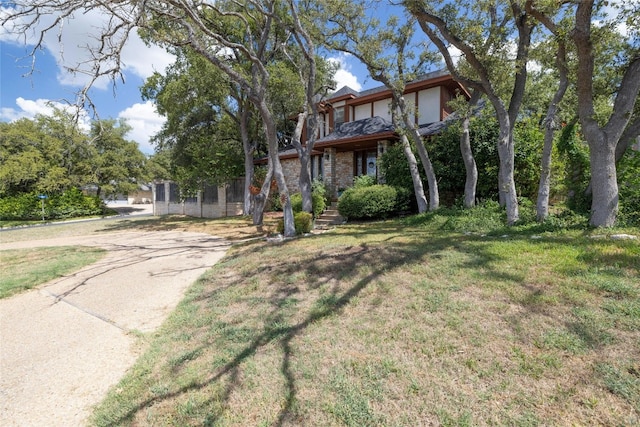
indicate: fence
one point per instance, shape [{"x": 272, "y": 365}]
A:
[{"x": 210, "y": 202}]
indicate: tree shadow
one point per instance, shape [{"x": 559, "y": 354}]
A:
[{"x": 330, "y": 268}]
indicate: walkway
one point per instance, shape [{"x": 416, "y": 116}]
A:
[{"x": 64, "y": 344}]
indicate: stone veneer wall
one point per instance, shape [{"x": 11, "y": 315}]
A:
[
  {"x": 291, "y": 170},
  {"x": 344, "y": 170}
]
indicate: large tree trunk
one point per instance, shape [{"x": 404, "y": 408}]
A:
[
  {"x": 410, "y": 126},
  {"x": 434, "y": 194},
  {"x": 304, "y": 182},
  {"x": 272, "y": 138},
  {"x": 506, "y": 180},
  {"x": 418, "y": 189},
  {"x": 602, "y": 141},
  {"x": 249, "y": 149},
  {"x": 260, "y": 199},
  {"x": 542, "y": 205},
  {"x": 304, "y": 179},
  {"x": 470, "y": 167},
  {"x": 604, "y": 182}
]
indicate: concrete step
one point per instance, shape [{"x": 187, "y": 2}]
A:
[{"x": 329, "y": 217}]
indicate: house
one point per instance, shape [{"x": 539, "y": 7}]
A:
[{"x": 356, "y": 128}]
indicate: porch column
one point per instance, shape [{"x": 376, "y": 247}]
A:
[
  {"x": 382, "y": 148},
  {"x": 329, "y": 169}
]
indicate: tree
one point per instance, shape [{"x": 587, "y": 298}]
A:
[
  {"x": 219, "y": 31},
  {"x": 50, "y": 154},
  {"x": 22, "y": 164},
  {"x": 604, "y": 138},
  {"x": 47, "y": 155},
  {"x": 203, "y": 131},
  {"x": 465, "y": 108},
  {"x": 315, "y": 78},
  {"x": 550, "y": 122},
  {"x": 118, "y": 166},
  {"x": 483, "y": 32}
]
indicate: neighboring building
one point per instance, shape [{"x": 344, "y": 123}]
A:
[
  {"x": 356, "y": 129},
  {"x": 144, "y": 195}
]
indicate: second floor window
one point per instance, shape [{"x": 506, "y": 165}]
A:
[{"x": 338, "y": 117}]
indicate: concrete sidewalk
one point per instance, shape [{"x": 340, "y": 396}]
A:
[{"x": 64, "y": 344}]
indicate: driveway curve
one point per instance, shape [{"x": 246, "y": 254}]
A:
[{"x": 65, "y": 343}]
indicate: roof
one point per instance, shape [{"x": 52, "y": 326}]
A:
[
  {"x": 437, "y": 127},
  {"x": 358, "y": 128},
  {"x": 346, "y": 91}
]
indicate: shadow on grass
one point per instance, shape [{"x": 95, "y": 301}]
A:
[{"x": 344, "y": 271}]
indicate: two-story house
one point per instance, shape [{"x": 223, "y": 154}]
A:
[{"x": 356, "y": 129}]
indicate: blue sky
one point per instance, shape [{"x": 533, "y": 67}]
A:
[{"x": 27, "y": 95}]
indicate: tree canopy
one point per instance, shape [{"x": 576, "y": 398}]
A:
[{"x": 50, "y": 154}]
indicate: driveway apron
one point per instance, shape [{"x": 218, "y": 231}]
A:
[{"x": 64, "y": 344}]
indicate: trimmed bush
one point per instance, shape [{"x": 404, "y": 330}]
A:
[
  {"x": 317, "y": 200},
  {"x": 376, "y": 201},
  {"x": 303, "y": 222}
]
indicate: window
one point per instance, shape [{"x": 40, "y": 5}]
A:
[
  {"x": 338, "y": 117},
  {"x": 210, "y": 194},
  {"x": 316, "y": 167},
  {"x": 160, "y": 192}
]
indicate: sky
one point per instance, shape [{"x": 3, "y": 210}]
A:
[{"x": 24, "y": 93}]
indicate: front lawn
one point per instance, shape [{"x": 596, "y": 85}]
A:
[
  {"x": 24, "y": 269},
  {"x": 407, "y": 322}
]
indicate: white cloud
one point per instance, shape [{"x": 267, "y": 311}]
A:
[
  {"x": 145, "y": 122},
  {"x": 344, "y": 76},
  {"x": 28, "y": 108},
  {"x": 455, "y": 54}
]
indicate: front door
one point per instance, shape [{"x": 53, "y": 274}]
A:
[{"x": 366, "y": 163}]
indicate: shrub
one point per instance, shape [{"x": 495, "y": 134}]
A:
[
  {"x": 321, "y": 188},
  {"x": 72, "y": 203},
  {"x": 317, "y": 200},
  {"x": 364, "y": 181},
  {"x": 444, "y": 151},
  {"x": 575, "y": 154},
  {"x": 376, "y": 201},
  {"x": 21, "y": 207},
  {"x": 303, "y": 222},
  {"x": 486, "y": 216},
  {"x": 629, "y": 184}
]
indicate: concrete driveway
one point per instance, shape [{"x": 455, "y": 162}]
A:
[{"x": 64, "y": 344}]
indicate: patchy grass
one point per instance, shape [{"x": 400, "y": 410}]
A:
[
  {"x": 24, "y": 269},
  {"x": 408, "y": 322},
  {"x": 231, "y": 228}
]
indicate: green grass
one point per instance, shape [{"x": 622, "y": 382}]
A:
[
  {"x": 24, "y": 269},
  {"x": 410, "y": 322}
]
